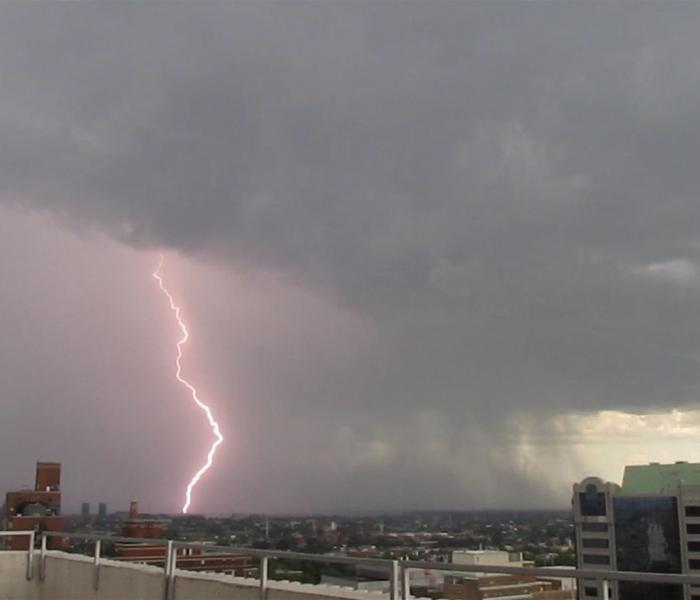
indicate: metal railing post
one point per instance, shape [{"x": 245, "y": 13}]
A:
[
  {"x": 605, "y": 589},
  {"x": 166, "y": 567},
  {"x": 394, "y": 580},
  {"x": 42, "y": 559},
  {"x": 96, "y": 565},
  {"x": 405, "y": 583},
  {"x": 171, "y": 565},
  {"x": 263, "y": 577},
  {"x": 30, "y": 556}
]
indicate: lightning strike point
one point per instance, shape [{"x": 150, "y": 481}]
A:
[{"x": 192, "y": 390}]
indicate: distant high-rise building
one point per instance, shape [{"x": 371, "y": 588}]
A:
[
  {"x": 649, "y": 524},
  {"x": 102, "y": 510},
  {"x": 85, "y": 509}
]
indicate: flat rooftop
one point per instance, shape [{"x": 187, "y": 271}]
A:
[{"x": 658, "y": 479}]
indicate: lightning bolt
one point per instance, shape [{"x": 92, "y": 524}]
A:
[{"x": 192, "y": 390}]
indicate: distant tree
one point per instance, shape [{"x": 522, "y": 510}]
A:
[
  {"x": 286, "y": 543},
  {"x": 317, "y": 546},
  {"x": 214, "y": 529},
  {"x": 567, "y": 559}
]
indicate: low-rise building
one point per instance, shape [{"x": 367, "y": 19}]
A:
[{"x": 482, "y": 586}]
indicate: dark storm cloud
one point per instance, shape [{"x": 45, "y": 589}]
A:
[{"x": 508, "y": 192}]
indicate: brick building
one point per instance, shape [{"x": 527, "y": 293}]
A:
[
  {"x": 38, "y": 509},
  {"x": 479, "y": 586},
  {"x": 190, "y": 559}
]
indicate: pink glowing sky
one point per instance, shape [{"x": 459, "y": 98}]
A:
[{"x": 99, "y": 392}]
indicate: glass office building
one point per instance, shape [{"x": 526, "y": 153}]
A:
[
  {"x": 647, "y": 539},
  {"x": 649, "y": 524}
]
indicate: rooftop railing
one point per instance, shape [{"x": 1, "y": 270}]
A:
[
  {"x": 398, "y": 570},
  {"x": 30, "y": 549}
]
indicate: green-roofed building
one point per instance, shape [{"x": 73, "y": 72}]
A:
[
  {"x": 650, "y": 523},
  {"x": 658, "y": 479}
]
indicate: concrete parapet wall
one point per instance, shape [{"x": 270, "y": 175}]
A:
[
  {"x": 13, "y": 582},
  {"x": 70, "y": 577}
]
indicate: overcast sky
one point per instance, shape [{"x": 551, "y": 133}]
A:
[{"x": 431, "y": 254}]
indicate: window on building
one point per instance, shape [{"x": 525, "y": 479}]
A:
[
  {"x": 693, "y": 528},
  {"x": 595, "y": 543},
  {"x": 693, "y": 546},
  {"x": 596, "y": 559},
  {"x": 647, "y": 538},
  {"x": 694, "y": 564},
  {"x": 692, "y": 511},
  {"x": 649, "y": 591},
  {"x": 590, "y": 592},
  {"x": 592, "y": 502},
  {"x": 594, "y": 527}
]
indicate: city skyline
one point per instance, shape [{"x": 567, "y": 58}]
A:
[{"x": 430, "y": 255}]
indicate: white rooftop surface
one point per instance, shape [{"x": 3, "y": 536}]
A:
[{"x": 485, "y": 557}]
